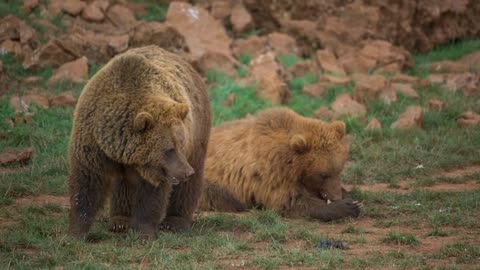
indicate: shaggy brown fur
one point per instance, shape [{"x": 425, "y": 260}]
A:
[
  {"x": 278, "y": 160},
  {"x": 140, "y": 133}
]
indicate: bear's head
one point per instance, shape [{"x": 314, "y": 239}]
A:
[
  {"x": 160, "y": 141},
  {"x": 320, "y": 151}
]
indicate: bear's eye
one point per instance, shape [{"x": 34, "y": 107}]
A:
[{"x": 170, "y": 153}]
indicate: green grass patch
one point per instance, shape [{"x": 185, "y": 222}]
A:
[{"x": 400, "y": 238}]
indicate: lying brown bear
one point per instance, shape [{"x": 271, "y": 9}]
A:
[
  {"x": 140, "y": 133},
  {"x": 279, "y": 160}
]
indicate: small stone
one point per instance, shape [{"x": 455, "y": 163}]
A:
[
  {"x": 374, "y": 124},
  {"x": 329, "y": 63},
  {"x": 314, "y": 90},
  {"x": 410, "y": 118},
  {"x": 436, "y": 104},
  {"x": 324, "y": 113},
  {"x": 345, "y": 105},
  {"x": 405, "y": 89},
  {"x": 240, "y": 18},
  {"x": 469, "y": 119},
  {"x": 63, "y": 100}
]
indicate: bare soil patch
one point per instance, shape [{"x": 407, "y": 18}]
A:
[{"x": 62, "y": 201}]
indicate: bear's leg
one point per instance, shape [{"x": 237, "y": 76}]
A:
[
  {"x": 87, "y": 195},
  {"x": 182, "y": 204},
  {"x": 123, "y": 195},
  {"x": 149, "y": 208}
]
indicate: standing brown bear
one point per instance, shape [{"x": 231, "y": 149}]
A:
[
  {"x": 140, "y": 133},
  {"x": 279, "y": 160}
]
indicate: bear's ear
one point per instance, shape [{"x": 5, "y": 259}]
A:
[
  {"x": 339, "y": 128},
  {"x": 299, "y": 143},
  {"x": 143, "y": 121}
]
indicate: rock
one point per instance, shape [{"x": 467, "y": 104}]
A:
[
  {"x": 273, "y": 89},
  {"x": 436, "y": 104},
  {"x": 20, "y": 118},
  {"x": 54, "y": 8},
  {"x": 240, "y": 18},
  {"x": 302, "y": 68},
  {"x": 15, "y": 156},
  {"x": 369, "y": 88},
  {"x": 462, "y": 81},
  {"x": 382, "y": 54},
  {"x": 335, "y": 80},
  {"x": 215, "y": 61},
  {"x": 344, "y": 105},
  {"x": 121, "y": 17},
  {"x": 410, "y": 118},
  {"x": 469, "y": 119},
  {"x": 63, "y": 100},
  {"x": 32, "y": 80},
  {"x": 160, "y": 34},
  {"x": 302, "y": 31},
  {"x": 403, "y": 78},
  {"x": 221, "y": 9},
  {"x": 374, "y": 124},
  {"x": 283, "y": 44},
  {"x": 75, "y": 71},
  {"x": 50, "y": 54},
  {"x": 22, "y": 104},
  {"x": 405, "y": 89},
  {"x": 472, "y": 61},
  {"x": 12, "y": 28},
  {"x": 201, "y": 31},
  {"x": 12, "y": 47},
  {"x": 314, "y": 90},
  {"x": 328, "y": 62},
  {"x": 73, "y": 7},
  {"x": 436, "y": 78},
  {"x": 266, "y": 72},
  {"x": 324, "y": 113},
  {"x": 228, "y": 101},
  {"x": 29, "y": 5},
  {"x": 252, "y": 46},
  {"x": 448, "y": 67},
  {"x": 95, "y": 11}
]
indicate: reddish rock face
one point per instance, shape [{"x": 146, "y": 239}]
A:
[
  {"x": 73, "y": 7},
  {"x": 369, "y": 88},
  {"x": 75, "y": 71},
  {"x": 201, "y": 31},
  {"x": 240, "y": 18},
  {"x": 410, "y": 118},
  {"x": 270, "y": 85},
  {"x": 63, "y": 100},
  {"x": 345, "y": 105},
  {"x": 121, "y": 17},
  {"x": 252, "y": 46},
  {"x": 283, "y": 44},
  {"x": 328, "y": 62}
]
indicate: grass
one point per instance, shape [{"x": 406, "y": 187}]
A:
[
  {"x": 399, "y": 238},
  {"x": 259, "y": 239}
]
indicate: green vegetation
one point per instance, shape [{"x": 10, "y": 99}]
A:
[{"x": 400, "y": 238}]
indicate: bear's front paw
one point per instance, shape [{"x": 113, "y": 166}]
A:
[
  {"x": 175, "y": 224},
  {"x": 119, "y": 224},
  {"x": 348, "y": 207}
]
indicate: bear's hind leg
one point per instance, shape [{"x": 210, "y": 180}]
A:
[
  {"x": 87, "y": 195},
  {"x": 149, "y": 208},
  {"x": 123, "y": 195}
]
